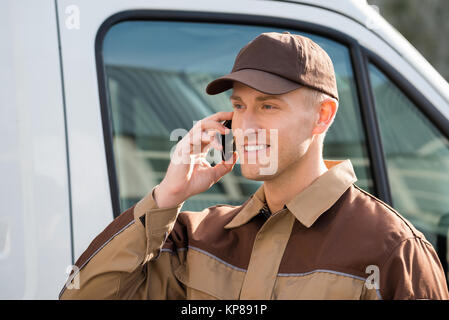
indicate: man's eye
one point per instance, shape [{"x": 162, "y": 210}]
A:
[
  {"x": 268, "y": 106},
  {"x": 237, "y": 106}
]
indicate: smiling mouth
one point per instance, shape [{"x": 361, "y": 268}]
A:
[{"x": 249, "y": 148}]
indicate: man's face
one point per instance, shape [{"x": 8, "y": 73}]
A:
[{"x": 287, "y": 120}]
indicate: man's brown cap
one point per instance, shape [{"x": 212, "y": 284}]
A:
[{"x": 276, "y": 63}]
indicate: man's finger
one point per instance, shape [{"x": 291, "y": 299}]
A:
[
  {"x": 221, "y": 116},
  {"x": 199, "y": 134}
]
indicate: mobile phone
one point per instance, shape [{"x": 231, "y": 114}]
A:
[{"x": 227, "y": 141}]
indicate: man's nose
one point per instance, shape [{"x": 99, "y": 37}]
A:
[
  {"x": 249, "y": 121},
  {"x": 247, "y": 128}
]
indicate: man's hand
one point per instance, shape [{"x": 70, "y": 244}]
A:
[{"x": 189, "y": 173}]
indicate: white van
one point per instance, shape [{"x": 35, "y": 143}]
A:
[{"x": 90, "y": 91}]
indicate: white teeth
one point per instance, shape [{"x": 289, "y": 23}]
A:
[{"x": 254, "y": 148}]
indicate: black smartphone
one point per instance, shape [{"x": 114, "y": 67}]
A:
[{"x": 227, "y": 141}]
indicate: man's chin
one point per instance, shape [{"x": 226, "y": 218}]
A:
[{"x": 257, "y": 173}]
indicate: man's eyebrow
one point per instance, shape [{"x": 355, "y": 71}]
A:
[
  {"x": 268, "y": 97},
  {"x": 235, "y": 98},
  {"x": 261, "y": 98}
]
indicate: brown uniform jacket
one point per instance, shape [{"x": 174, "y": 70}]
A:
[{"x": 332, "y": 241}]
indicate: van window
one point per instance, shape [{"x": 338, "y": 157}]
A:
[
  {"x": 417, "y": 157},
  {"x": 156, "y": 73}
]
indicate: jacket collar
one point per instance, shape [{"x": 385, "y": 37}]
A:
[{"x": 309, "y": 204}]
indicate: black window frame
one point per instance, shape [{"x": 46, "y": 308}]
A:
[
  {"x": 428, "y": 110},
  {"x": 410, "y": 91},
  {"x": 358, "y": 59}
]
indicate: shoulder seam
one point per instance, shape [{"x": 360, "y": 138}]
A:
[
  {"x": 391, "y": 209},
  {"x": 390, "y": 253},
  {"x": 72, "y": 276}
]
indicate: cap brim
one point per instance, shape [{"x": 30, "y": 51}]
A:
[{"x": 259, "y": 80}]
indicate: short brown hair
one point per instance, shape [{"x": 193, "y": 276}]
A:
[{"x": 313, "y": 98}]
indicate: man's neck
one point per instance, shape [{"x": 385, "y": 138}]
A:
[{"x": 285, "y": 187}]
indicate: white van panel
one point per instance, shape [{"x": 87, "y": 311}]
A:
[
  {"x": 35, "y": 245},
  {"x": 35, "y": 229}
]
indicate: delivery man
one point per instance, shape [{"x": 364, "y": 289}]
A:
[{"x": 308, "y": 232}]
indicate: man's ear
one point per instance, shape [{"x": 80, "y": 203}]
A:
[{"x": 326, "y": 114}]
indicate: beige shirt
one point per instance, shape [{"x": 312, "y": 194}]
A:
[{"x": 331, "y": 241}]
